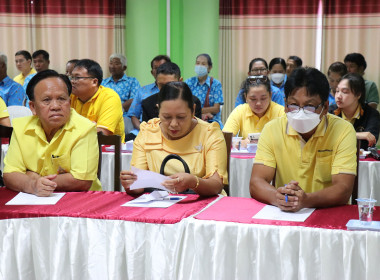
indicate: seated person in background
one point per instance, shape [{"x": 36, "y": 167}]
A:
[
  {"x": 259, "y": 109},
  {"x": 207, "y": 89},
  {"x": 310, "y": 153},
  {"x": 135, "y": 111},
  {"x": 99, "y": 104},
  {"x": 334, "y": 74},
  {"x": 277, "y": 75},
  {"x": 257, "y": 67},
  {"x": 70, "y": 66},
  {"x": 167, "y": 72},
  {"x": 292, "y": 63},
  {"x": 356, "y": 63},
  {"x": 24, "y": 65},
  {"x": 125, "y": 87},
  {"x": 41, "y": 62},
  {"x": 11, "y": 92},
  {"x": 55, "y": 149},
  {"x": 350, "y": 105},
  {"x": 177, "y": 131}
]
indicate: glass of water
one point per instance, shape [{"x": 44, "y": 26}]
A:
[{"x": 366, "y": 207}]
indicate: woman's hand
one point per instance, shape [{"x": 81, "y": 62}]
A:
[
  {"x": 180, "y": 182},
  {"x": 243, "y": 143},
  {"x": 127, "y": 178},
  {"x": 367, "y": 136}
]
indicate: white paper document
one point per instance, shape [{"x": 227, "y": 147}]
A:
[
  {"x": 148, "y": 179},
  {"x": 31, "y": 199},
  {"x": 270, "y": 212},
  {"x": 156, "y": 199}
]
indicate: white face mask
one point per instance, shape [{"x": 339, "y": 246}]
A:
[
  {"x": 201, "y": 70},
  {"x": 277, "y": 78},
  {"x": 302, "y": 122}
]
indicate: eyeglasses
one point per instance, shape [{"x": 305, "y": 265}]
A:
[
  {"x": 256, "y": 80},
  {"x": 75, "y": 79},
  {"x": 307, "y": 109},
  {"x": 259, "y": 70}
]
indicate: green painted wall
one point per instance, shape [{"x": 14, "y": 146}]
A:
[{"x": 194, "y": 29}]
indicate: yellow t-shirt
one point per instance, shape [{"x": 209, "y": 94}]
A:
[
  {"x": 74, "y": 149},
  {"x": 3, "y": 109},
  {"x": 104, "y": 109},
  {"x": 203, "y": 149},
  {"x": 331, "y": 150},
  {"x": 244, "y": 121},
  {"x": 20, "y": 78}
]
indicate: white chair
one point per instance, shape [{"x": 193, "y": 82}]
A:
[{"x": 18, "y": 112}]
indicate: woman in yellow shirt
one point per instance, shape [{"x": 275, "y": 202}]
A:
[
  {"x": 259, "y": 109},
  {"x": 200, "y": 144}
]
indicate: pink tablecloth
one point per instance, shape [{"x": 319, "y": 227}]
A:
[
  {"x": 241, "y": 210},
  {"x": 103, "y": 205}
]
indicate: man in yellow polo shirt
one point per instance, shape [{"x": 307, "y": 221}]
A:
[
  {"x": 55, "y": 149},
  {"x": 99, "y": 104},
  {"x": 311, "y": 154}
]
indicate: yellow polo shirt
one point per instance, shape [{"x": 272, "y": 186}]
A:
[
  {"x": 357, "y": 114},
  {"x": 104, "y": 109},
  {"x": 20, "y": 78},
  {"x": 74, "y": 149},
  {"x": 203, "y": 149},
  {"x": 244, "y": 121},
  {"x": 331, "y": 150},
  {"x": 3, "y": 109}
]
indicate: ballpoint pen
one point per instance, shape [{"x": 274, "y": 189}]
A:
[{"x": 171, "y": 198}]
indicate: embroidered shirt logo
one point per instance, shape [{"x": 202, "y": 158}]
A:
[{"x": 199, "y": 147}]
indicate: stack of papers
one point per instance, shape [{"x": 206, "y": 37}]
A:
[
  {"x": 270, "y": 212},
  {"x": 156, "y": 199},
  {"x": 31, "y": 199},
  {"x": 357, "y": 225}
]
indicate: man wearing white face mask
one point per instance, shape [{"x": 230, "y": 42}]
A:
[
  {"x": 277, "y": 70},
  {"x": 207, "y": 89},
  {"x": 310, "y": 154}
]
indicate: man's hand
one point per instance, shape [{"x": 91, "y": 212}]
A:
[{"x": 44, "y": 186}]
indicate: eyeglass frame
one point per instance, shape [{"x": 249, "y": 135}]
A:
[
  {"x": 303, "y": 108},
  {"x": 259, "y": 70},
  {"x": 75, "y": 79}
]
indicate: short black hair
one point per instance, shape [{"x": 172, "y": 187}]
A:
[
  {"x": 312, "y": 79},
  {"x": 158, "y": 58},
  {"x": 277, "y": 60},
  {"x": 169, "y": 68},
  {"x": 25, "y": 54},
  {"x": 296, "y": 59},
  {"x": 93, "y": 68},
  {"x": 42, "y": 76},
  {"x": 209, "y": 61},
  {"x": 73, "y": 61},
  {"x": 337, "y": 67},
  {"x": 247, "y": 85},
  {"x": 357, "y": 58},
  {"x": 256, "y": 60},
  {"x": 175, "y": 90},
  {"x": 357, "y": 85},
  {"x": 44, "y": 54}
]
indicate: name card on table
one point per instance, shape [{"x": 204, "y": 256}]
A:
[
  {"x": 31, "y": 199},
  {"x": 270, "y": 212}
]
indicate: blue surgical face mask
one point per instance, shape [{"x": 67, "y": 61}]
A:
[{"x": 201, "y": 70}]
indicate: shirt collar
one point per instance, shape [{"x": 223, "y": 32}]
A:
[
  {"x": 6, "y": 80},
  {"x": 207, "y": 82},
  {"x": 124, "y": 78}
]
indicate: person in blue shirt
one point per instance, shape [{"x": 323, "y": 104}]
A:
[
  {"x": 207, "y": 89},
  {"x": 125, "y": 87},
  {"x": 334, "y": 74},
  {"x": 277, "y": 75},
  {"x": 11, "y": 92},
  {"x": 41, "y": 62},
  {"x": 257, "y": 67},
  {"x": 135, "y": 110},
  {"x": 292, "y": 63}
]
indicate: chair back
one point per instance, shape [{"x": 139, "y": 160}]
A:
[
  {"x": 228, "y": 139},
  {"x": 355, "y": 190},
  {"x": 5, "y": 132},
  {"x": 18, "y": 112},
  {"x": 114, "y": 140}
]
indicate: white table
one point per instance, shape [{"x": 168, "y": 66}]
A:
[{"x": 240, "y": 175}]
